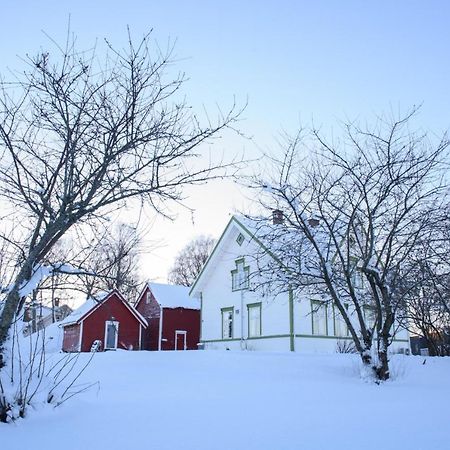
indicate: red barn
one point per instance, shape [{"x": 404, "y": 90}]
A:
[
  {"x": 111, "y": 320},
  {"x": 173, "y": 317}
]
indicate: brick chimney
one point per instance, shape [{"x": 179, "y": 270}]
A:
[
  {"x": 277, "y": 217},
  {"x": 313, "y": 222}
]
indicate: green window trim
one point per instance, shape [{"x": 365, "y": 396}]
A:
[
  {"x": 285, "y": 336},
  {"x": 314, "y": 310},
  {"x": 321, "y": 336},
  {"x": 228, "y": 310},
  {"x": 367, "y": 311},
  {"x": 291, "y": 321},
  {"x": 235, "y": 271},
  {"x": 240, "y": 239},
  {"x": 336, "y": 314},
  {"x": 356, "y": 273},
  {"x": 249, "y": 307}
]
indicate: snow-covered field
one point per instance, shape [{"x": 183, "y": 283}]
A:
[{"x": 228, "y": 400}]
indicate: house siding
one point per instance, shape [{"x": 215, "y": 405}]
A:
[
  {"x": 184, "y": 320},
  {"x": 151, "y": 312},
  {"x": 152, "y": 334},
  {"x": 217, "y": 293},
  {"x": 71, "y": 338},
  {"x": 94, "y": 325},
  {"x": 173, "y": 319},
  {"x": 276, "y": 333}
]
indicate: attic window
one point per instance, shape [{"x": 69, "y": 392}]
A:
[
  {"x": 148, "y": 298},
  {"x": 240, "y": 239},
  {"x": 240, "y": 276}
]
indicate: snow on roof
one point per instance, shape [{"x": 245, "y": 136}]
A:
[
  {"x": 79, "y": 312},
  {"x": 279, "y": 240},
  {"x": 285, "y": 244},
  {"x": 173, "y": 296},
  {"x": 43, "y": 309},
  {"x": 82, "y": 310},
  {"x": 91, "y": 303},
  {"x": 248, "y": 223}
]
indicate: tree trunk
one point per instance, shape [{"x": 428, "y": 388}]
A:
[
  {"x": 382, "y": 368},
  {"x": 12, "y": 304},
  {"x": 366, "y": 359},
  {"x": 14, "y": 297},
  {"x": 7, "y": 318},
  {"x": 431, "y": 344},
  {"x": 378, "y": 369}
]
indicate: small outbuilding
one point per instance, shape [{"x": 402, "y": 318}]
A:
[
  {"x": 109, "y": 322},
  {"x": 173, "y": 317},
  {"x": 38, "y": 316}
]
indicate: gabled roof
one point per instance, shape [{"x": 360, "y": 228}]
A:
[
  {"x": 91, "y": 305},
  {"x": 244, "y": 226},
  {"x": 74, "y": 317},
  {"x": 274, "y": 241},
  {"x": 44, "y": 309},
  {"x": 173, "y": 296}
]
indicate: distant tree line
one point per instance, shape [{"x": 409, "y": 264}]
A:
[{"x": 190, "y": 261}]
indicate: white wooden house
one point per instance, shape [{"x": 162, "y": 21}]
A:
[{"x": 236, "y": 316}]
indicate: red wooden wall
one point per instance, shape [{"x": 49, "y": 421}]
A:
[
  {"x": 151, "y": 312},
  {"x": 94, "y": 325},
  {"x": 71, "y": 338},
  {"x": 184, "y": 320},
  {"x": 173, "y": 319}
]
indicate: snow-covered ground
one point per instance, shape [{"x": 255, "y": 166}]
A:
[{"x": 229, "y": 400}]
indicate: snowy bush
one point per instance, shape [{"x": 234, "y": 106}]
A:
[
  {"x": 32, "y": 377},
  {"x": 345, "y": 346}
]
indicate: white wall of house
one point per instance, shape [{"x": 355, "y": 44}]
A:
[
  {"x": 219, "y": 298},
  {"x": 217, "y": 294},
  {"x": 309, "y": 340}
]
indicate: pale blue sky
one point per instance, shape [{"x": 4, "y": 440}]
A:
[
  {"x": 324, "y": 59},
  {"x": 294, "y": 60}
]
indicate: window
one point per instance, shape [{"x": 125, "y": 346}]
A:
[
  {"x": 148, "y": 297},
  {"x": 340, "y": 327},
  {"x": 227, "y": 323},
  {"x": 254, "y": 319},
  {"x": 356, "y": 274},
  {"x": 240, "y": 239},
  {"x": 370, "y": 316},
  {"x": 240, "y": 276},
  {"x": 319, "y": 318}
]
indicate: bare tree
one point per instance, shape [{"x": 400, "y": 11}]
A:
[
  {"x": 190, "y": 261},
  {"x": 425, "y": 287},
  {"x": 7, "y": 260},
  {"x": 110, "y": 260},
  {"x": 115, "y": 262},
  {"x": 53, "y": 290},
  {"x": 351, "y": 217},
  {"x": 81, "y": 135}
]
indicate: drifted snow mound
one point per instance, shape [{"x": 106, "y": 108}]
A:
[{"x": 51, "y": 337}]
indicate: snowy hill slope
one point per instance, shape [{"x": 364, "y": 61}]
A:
[{"x": 226, "y": 400}]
